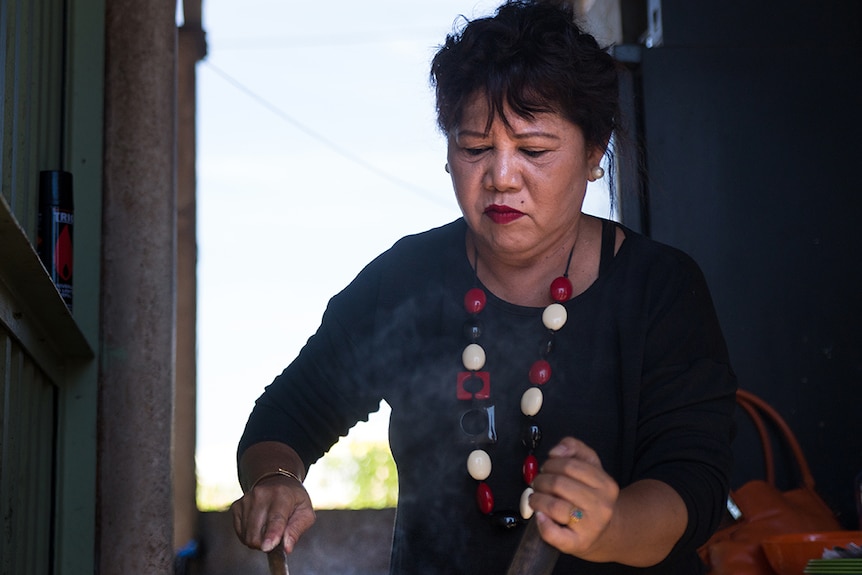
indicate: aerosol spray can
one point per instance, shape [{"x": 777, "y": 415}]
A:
[{"x": 56, "y": 222}]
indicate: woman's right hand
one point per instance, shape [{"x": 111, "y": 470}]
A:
[
  {"x": 277, "y": 510},
  {"x": 276, "y": 507}
]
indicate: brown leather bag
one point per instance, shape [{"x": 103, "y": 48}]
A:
[{"x": 766, "y": 511}]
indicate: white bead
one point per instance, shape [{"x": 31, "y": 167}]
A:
[
  {"x": 531, "y": 401},
  {"x": 479, "y": 465},
  {"x": 554, "y": 317},
  {"x": 473, "y": 357},
  {"x": 526, "y": 510}
]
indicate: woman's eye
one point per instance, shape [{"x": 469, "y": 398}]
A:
[
  {"x": 533, "y": 153},
  {"x": 475, "y": 151}
]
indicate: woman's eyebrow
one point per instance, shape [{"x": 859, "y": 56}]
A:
[{"x": 516, "y": 135}]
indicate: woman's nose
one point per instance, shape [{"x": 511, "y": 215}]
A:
[{"x": 501, "y": 173}]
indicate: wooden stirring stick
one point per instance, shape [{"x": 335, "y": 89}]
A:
[
  {"x": 533, "y": 556},
  {"x": 277, "y": 559}
]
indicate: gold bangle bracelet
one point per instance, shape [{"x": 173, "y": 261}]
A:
[{"x": 268, "y": 474}]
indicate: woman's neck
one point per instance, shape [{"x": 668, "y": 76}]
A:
[{"x": 527, "y": 282}]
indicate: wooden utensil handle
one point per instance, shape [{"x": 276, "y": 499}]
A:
[
  {"x": 277, "y": 560},
  {"x": 533, "y": 556}
]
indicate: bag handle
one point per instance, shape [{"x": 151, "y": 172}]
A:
[
  {"x": 763, "y": 434},
  {"x": 758, "y": 409}
]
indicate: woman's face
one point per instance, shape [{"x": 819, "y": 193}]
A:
[{"x": 519, "y": 187}]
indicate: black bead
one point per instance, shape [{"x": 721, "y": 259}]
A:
[
  {"x": 546, "y": 345},
  {"x": 531, "y": 436},
  {"x": 505, "y": 519},
  {"x": 473, "y": 329}
]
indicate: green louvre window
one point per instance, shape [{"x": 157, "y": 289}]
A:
[
  {"x": 47, "y": 366},
  {"x": 31, "y": 108}
]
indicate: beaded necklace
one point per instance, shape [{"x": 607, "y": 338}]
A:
[{"x": 474, "y": 386}]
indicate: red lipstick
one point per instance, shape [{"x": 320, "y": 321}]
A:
[{"x": 502, "y": 214}]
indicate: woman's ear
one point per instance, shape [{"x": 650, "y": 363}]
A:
[{"x": 595, "y": 154}]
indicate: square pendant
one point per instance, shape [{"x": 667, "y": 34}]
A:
[
  {"x": 478, "y": 425},
  {"x": 474, "y": 385}
]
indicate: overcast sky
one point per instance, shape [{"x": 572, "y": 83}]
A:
[{"x": 317, "y": 149}]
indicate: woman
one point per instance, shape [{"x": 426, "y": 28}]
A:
[{"x": 524, "y": 332}]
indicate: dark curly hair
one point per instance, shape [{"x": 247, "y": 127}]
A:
[{"x": 532, "y": 56}]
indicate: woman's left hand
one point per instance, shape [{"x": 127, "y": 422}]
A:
[{"x": 574, "y": 499}]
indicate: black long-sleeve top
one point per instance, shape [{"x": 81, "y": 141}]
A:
[{"x": 640, "y": 373}]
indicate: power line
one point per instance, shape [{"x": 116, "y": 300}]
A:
[
  {"x": 341, "y": 151},
  {"x": 325, "y": 41}
]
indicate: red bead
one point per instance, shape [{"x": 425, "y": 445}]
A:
[
  {"x": 531, "y": 468},
  {"x": 561, "y": 289},
  {"x": 474, "y": 300},
  {"x": 484, "y": 498},
  {"x": 540, "y": 372}
]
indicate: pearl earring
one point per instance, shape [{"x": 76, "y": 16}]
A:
[
  {"x": 446, "y": 167},
  {"x": 597, "y": 173}
]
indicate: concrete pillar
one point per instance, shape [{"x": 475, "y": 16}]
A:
[
  {"x": 136, "y": 384},
  {"x": 192, "y": 48}
]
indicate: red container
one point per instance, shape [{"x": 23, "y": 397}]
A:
[{"x": 789, "y": 554}]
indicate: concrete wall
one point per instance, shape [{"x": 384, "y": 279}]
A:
[{"x": 342, "y": 542}]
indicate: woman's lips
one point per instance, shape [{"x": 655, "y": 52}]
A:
[{"x": 502, "y": 214}]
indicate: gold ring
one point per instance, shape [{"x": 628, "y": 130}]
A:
[{"x": 575, "y": 515}]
